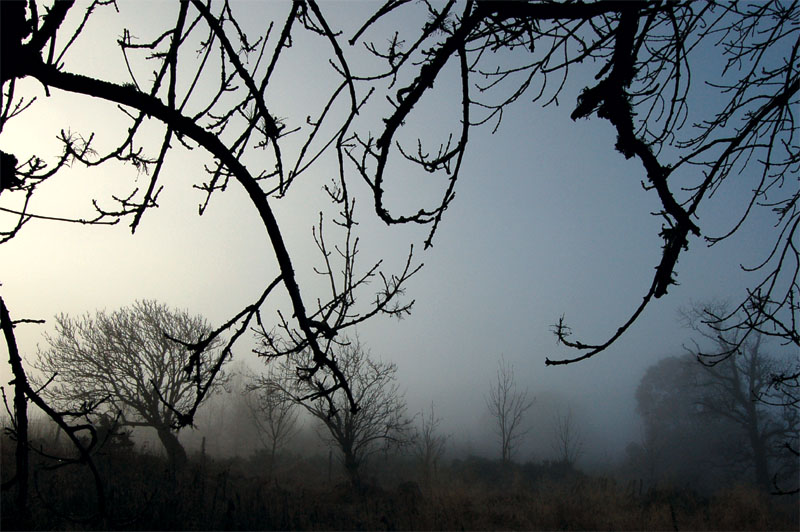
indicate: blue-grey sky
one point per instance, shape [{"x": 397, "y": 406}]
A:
[{"x": 548, "y": 219}]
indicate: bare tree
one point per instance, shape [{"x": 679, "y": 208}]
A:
[
  {"x": 567, "y": 438},
  {"x": 274, "y": 414},
  {"x": 128, "y": 362},
  {"x": 784, "y": 391},
  {"x": 19, "y": 419},
  {"x": 429, "y": 444},
  {"x": 739, "y": 385},
  {"x": 508, "y": 407},
  {"x": 380, "y": 420}
]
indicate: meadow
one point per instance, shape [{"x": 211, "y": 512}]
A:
[{"x": 472, "y": 493}]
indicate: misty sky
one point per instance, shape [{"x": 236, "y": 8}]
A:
[{"x": 548, "y": 220}]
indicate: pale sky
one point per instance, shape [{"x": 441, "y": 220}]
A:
[{"x": 548, "y": 219}]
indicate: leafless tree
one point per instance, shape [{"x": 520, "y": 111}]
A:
[
  {"x": 680, "y": 442},
  {"x": 380, "y": 420},
  {"x": 275, "y": 416},
  {"x": 508, "y": 406},
  {"x": 128, "y": 362},
  {"x": 568, "y": 441},
  {"x": 739, "y": 385},
  {"x": 732, "y": 391},
  {"x": 429, "y": 444},
  {"x": 784, "y": 391},
  {"x": 19, "y": 418}
]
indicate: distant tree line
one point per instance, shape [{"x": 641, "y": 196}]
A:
[{"x": 706, "y": 424}]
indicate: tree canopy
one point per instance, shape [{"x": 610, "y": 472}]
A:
[
  {"x": 131, "y": 365},
  {"x": 380, "y": 421},
  {"x": 702, "y": 421},
  {"x": 508, "y": 407}
]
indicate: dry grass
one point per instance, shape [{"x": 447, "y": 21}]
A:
[{"x": 217, "y": 495}]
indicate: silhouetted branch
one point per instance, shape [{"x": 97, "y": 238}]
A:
[
  {"x": 23, "y": 393},
  {"x": 644, "y": 90}
]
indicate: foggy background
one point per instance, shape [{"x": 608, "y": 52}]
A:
[{"x": 548, "y": 220}]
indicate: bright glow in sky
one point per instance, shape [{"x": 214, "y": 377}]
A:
[{"x": 548, "y": 219}]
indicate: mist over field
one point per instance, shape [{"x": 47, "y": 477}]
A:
[{"x": 417, "y": 265}]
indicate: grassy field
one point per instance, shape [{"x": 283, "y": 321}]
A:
[{"x": 472, "y": 494}]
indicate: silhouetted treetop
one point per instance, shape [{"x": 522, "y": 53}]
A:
[
  {"x": 380, "y": 421},
  {"x": 132, "y": 364}
]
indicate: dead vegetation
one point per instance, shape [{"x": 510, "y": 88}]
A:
[{"x": 467, "y": 494}]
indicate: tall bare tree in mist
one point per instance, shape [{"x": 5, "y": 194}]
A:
[
  {"x": 127, "y": 363},
  {"x": 745, "y": 385},
  {"x": 567, "y": 438},
  {"x": 203, "y": 77},
  {"x": 508, "y": 406},
  {"x": 428, "y": 444},
  {"x": 19, "y": 422},
  {"x": 274, "y": 414},
  {"x": 708, "y": 421},
  {"x": 380, "y": 421}
]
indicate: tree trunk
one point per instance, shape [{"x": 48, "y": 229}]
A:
[
  {"x": 21, "y": 386},
  {"x": 272, "y": 452},
  {"x": 175, "y": 451},
  {"x": 762, "y": 467},
  {"x": 506, "y": 443},
  {"x": 351, "y": 466},
  {"x": 758, "y": 447},
  {"x": 21, "y": 414},
  {"x": 747, "y": 398}
]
